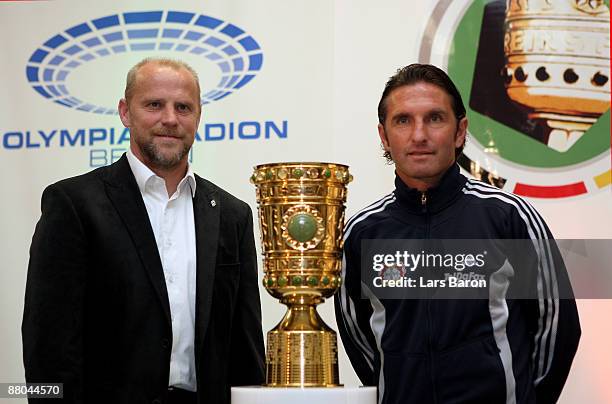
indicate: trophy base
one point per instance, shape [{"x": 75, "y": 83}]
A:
[
  {"x": 276, "y": 395},
  {"x": 302, "y": 351}
]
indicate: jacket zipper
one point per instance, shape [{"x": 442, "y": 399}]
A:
[
  {"x": 425, "y": 210},
  {"x": 428, "y": 304}
]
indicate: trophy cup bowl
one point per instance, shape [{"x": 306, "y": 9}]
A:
[
  {"x": 301, "y": 217},
  {"x": 558, "y": 64}
]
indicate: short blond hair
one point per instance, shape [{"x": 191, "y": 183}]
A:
[{"x": 172, "y": 63}]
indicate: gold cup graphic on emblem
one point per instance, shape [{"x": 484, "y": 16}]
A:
[
  {"x": 301, "y": 217},
  {"x": 558, "y": 64}
]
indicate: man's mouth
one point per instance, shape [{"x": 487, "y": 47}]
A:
[{"x": 167, "y": 135}]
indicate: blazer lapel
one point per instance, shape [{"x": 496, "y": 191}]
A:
[
  {"x": 123, "y": 192},
  {"x": 206, "y": 209}
]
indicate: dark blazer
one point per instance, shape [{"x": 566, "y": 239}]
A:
[{"x": 96, "y": 314}]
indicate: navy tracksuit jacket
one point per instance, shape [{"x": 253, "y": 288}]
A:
[{"x": 495, "y": 350}]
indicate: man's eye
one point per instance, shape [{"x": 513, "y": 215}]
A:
[
  {"x": 436, "y": 118},
  {"x": 183, "y": 108},
  {"x": 154, "y": 104},
  {"x": 402, "y": 120}
]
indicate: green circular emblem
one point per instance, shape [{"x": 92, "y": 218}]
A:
[
  {"x": 302, "y": 227},
  {"x": 512, "y": 144}
]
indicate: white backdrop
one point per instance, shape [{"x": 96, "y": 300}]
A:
[{"x": 324, "y": 66}]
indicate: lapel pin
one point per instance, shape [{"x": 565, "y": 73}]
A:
[{"x": 213, "y": 203}]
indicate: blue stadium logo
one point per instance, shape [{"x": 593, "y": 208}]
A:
[{"x": 236, "y": 53}]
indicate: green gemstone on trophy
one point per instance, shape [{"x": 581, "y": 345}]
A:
[
  {"x": 282, "y": 281},
  {"x": 269, "y": 174},
  {"x": 302, "y": 227},
  {"x": 313, "y": 281},
  {"x": 270, "y": 282},
  {"x": 327, "y": 173},
  {"x": 298, "y": 172},
  {"x": 296, "y": 281},
  {"x": 325, "y": 281}
]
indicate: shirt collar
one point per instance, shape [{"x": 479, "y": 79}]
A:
[{"x": 143, "y": 174}]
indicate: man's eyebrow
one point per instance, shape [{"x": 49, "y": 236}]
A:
[
  {"x": 437, "y": 111},
  {"x": 150, "y": 99},
  {"x": 401, "y": 114}
]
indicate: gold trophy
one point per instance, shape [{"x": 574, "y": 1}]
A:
[
  {"x": 558, "y": 64},
  {"x": 301, "y": 217}
]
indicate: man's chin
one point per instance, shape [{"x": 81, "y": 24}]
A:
[
  {"x": 420, "y": 173},
  {"x": 166, "y": 160}
]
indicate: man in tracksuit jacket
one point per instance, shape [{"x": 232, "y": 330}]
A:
[{"x": 495, "y": 350}]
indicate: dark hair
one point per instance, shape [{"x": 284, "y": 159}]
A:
[{"x": 417, "y": 73}]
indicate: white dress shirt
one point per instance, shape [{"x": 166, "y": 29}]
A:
[{"x": 174, "y": 228}]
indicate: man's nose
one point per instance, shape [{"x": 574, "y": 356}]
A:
[
  {"x": 169, "y": 116},
  {"x": 419, "y": 131}
]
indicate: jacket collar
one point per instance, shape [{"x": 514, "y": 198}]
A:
[
  {"x": 122, "y": 190},
  {"x": 434, "y": 199}
]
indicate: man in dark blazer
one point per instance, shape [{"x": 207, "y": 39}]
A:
[{"x": 101, "y": 302}]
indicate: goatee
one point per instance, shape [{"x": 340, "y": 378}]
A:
[{"x": 162, "y": 160}]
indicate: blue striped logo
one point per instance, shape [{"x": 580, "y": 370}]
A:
[{"x": 236, "y": 53}]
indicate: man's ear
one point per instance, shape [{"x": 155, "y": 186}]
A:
[
  {"x": 461, "y": 132},
  {"x": 383, "y": 137},
  {"x": 124, "y": 112}
]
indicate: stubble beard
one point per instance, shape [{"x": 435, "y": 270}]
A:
[{"x": 159, "y": 159}]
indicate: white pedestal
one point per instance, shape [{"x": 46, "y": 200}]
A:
[{"x": 308, "y": 395}]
